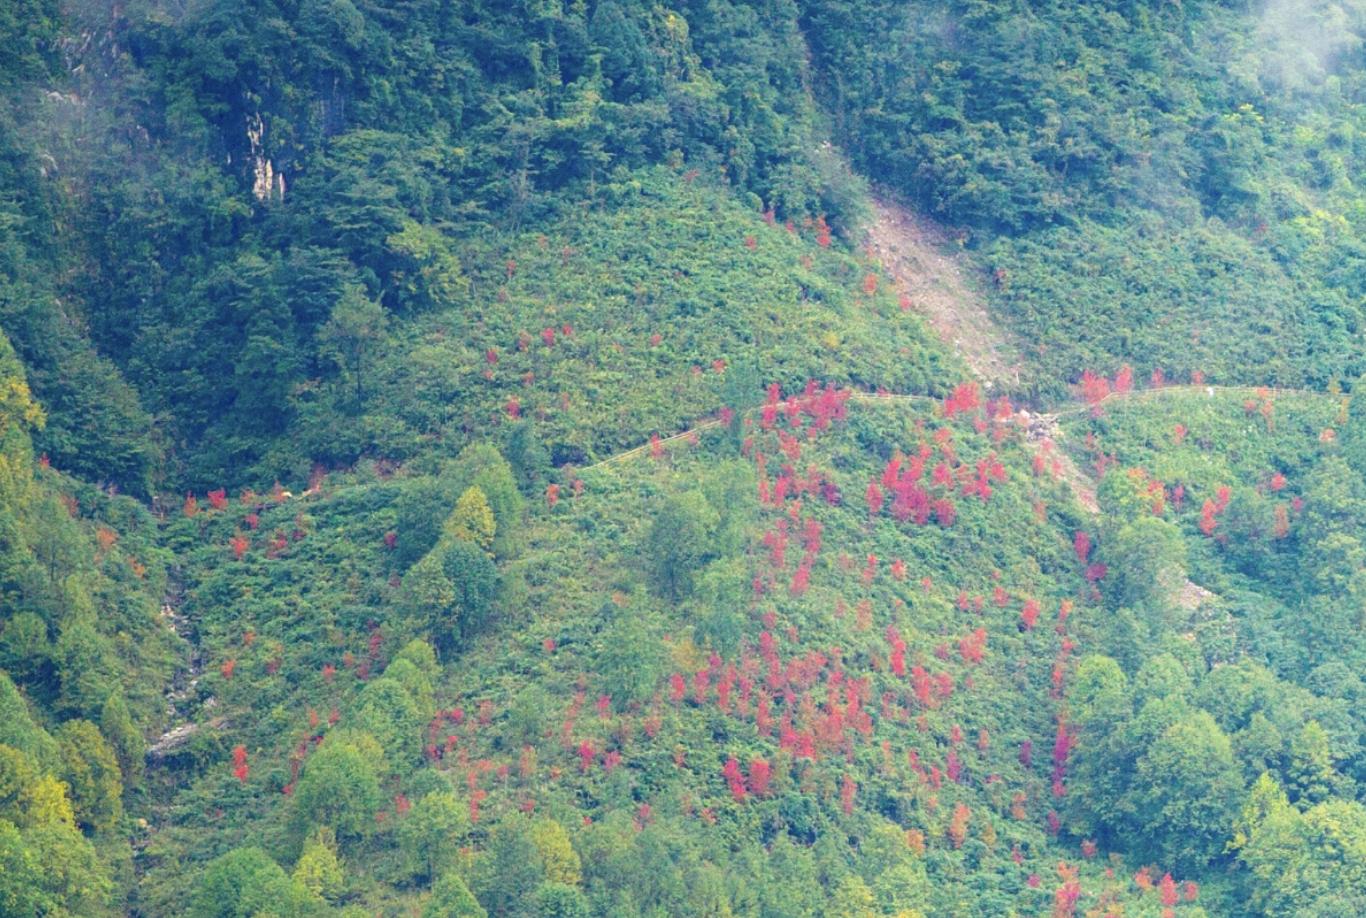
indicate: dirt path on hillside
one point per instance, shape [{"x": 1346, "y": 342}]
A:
[
  {"x": 917, "y": 253},
  {"x": 1044, "y": 429}
]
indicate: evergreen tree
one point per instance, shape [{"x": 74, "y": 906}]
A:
[
  {"x": 1101, "y": 764},
  {"x": 18, "y": 730},
  {"x": 246, "y": 882},
  {"x": 117, "y": 726},
  {"x": 21, "y": 891},
  {"x": 388, "y": 712},
  {"x": 560, "y": 900},
  {"x": 432, "y": 833},
  {"x": 512, "y": 870},
  {"x": 1311, "y": 778},
  {"x": 351, "y": 338},
  {"x": 474, "y": 584}
]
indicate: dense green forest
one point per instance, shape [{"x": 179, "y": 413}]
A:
[{"x": 466, "y": 459}]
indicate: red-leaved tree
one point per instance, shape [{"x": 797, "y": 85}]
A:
[{"x": 760, "y": 774}]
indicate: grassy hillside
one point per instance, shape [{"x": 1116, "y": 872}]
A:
[
  {"x": 918, "y": 698},
  {"x": 613, "y": 709},
  {"x": 619, "y": 322}
]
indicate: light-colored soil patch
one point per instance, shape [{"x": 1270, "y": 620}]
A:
[
  {"x": 1043, "y": 429},
  {"x": 918, "y": 254}
]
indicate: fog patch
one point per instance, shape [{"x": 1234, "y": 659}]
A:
[{"x": 1300, "y": 42}]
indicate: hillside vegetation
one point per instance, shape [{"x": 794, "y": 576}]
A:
[
  {"x": 1176, "y": 186},
  {"x": 734, "y": 459}
]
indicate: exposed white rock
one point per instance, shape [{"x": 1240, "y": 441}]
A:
[{"x": 267, "y": 183}]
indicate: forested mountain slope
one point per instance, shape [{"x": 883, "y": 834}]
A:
[
  {"x": 1175, "y": 185},
  {"x": 468, "y": 458}
]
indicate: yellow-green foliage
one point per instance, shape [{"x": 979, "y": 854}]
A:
[
  {"x": 46, "y": 865},
  {"x": 91, "y": 769},
  {"x": 558, "y": 856},
  {"x": 18, "y": 410},
  {"x": 472, "y": 519},
  {"x": 1301, "y": 860},
  {"x": 45, "y": 802},
  {"x": 318, "y": 870}
]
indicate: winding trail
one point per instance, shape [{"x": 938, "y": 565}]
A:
[
  {"x": 919, "y": 256},
  {"x": 1046, "y": 421}
]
